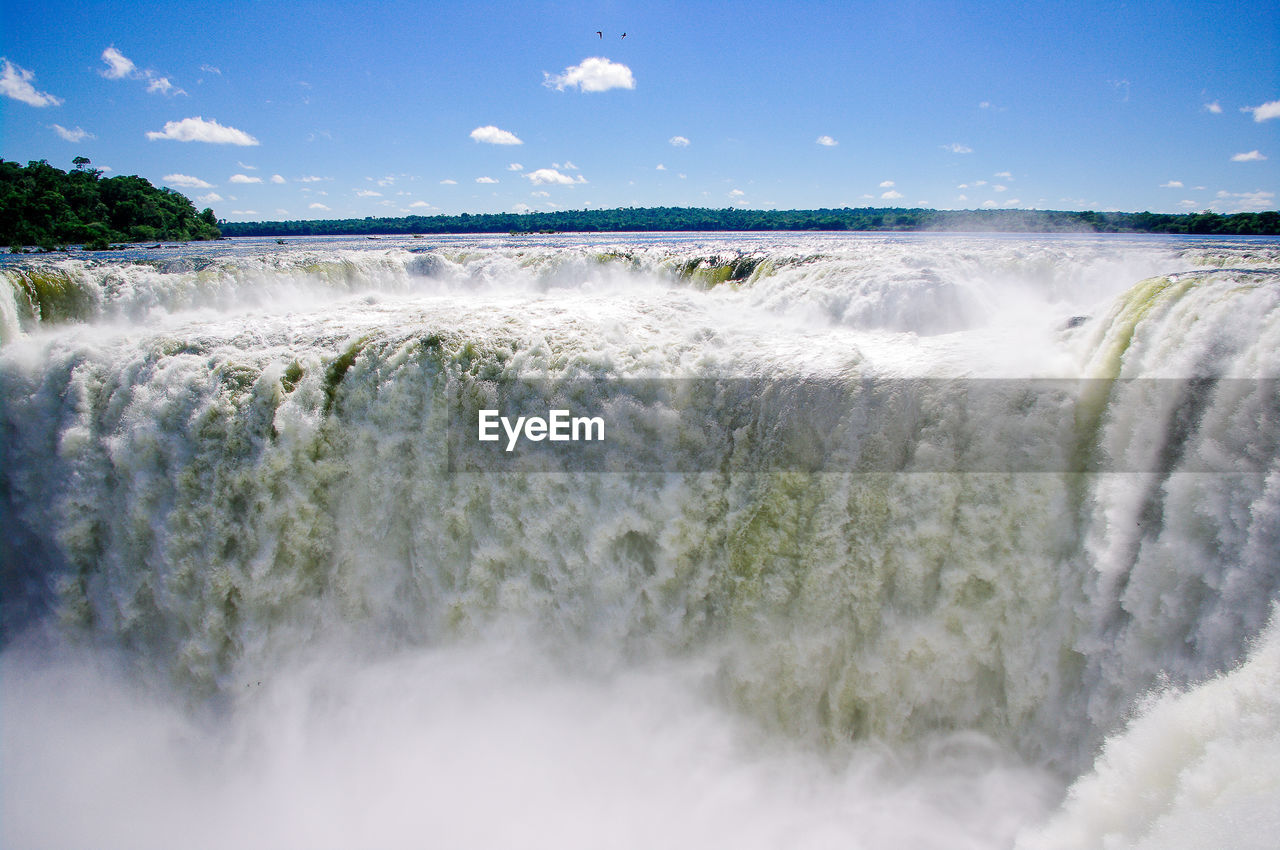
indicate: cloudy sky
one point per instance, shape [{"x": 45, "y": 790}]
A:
[{"x": 271, "y": 109}]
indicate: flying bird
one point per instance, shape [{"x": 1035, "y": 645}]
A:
[
  {"x": 624, "y": 35},
  {"x": 599, "y": 33}
]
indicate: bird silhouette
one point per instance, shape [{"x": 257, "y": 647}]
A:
[
  {"x": 599, "y": 33},
  {"x": 624, "y": 35}
]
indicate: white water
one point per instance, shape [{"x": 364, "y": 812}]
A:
[{"x": 922, "y": 657}]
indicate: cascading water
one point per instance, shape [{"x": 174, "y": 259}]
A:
[{"x": 888, "y": 541}]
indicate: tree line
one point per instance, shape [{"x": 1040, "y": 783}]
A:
[
  {"x": 49, "y": 208},
  {"x": 672, "y": 219},
  {"x": 43, "y": 206}
]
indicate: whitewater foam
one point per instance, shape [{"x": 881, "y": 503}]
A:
[{"x": 241, "y": 469}]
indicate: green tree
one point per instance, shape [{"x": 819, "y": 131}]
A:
[{"x": 45, "y": 206}]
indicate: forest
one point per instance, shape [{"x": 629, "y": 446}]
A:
[
  {"x": 674, "y": 219},
  {"x": 45, "y": 207}
]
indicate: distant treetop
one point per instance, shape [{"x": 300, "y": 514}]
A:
[
  {"x": 676, "y": 219},
  {"x": 49, "y": 208}
]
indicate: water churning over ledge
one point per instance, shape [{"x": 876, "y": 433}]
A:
[{"x": 927, "y": 514}]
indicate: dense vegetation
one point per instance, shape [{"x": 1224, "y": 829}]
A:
[
  {"x": 46, "y": 207},
  {"x": 49, "y": 208},
  {"x": 667, "y": 219}
]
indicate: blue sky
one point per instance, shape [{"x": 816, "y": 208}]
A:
[{"x": 276, "y": 110}]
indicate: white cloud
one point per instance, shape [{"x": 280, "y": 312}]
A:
[
  {"x": 448, "y": 182},
  {"x": 276, "y": 178},
  {"x": 541, "y": 194},
  {"x": 979, "y": 182},
  {"x": 246, "y": 166},
  {"x": 515, "y": 166},
  {"x": 210, "y": 69},
  {"x": 679, "y": 141},
  {"x": 522, "y": 208},
  {"x": 1266, "y": 111},
  {"x": 956, "y": 147},
  {"x": 1005, "y": 174},
  {"x": 998, "y": 188},
  {"x": 963, "y": 186},
  {"x": 1251, "y": 156},
  {"x": 890, "y": 195},
  {"x": 419, "y": 205},
  {"x": 1215, "y": 108},
  {"x": 491, "y": 135},
  {"x": 77, "y": 135},
  {"x": 827, "y": 141},
  {"x": 162, "y": 85},
  {"x": 199, "y": 130},
  {"x": 15, "y": 82},
  {"x": 568, "y": 166},
  {"x": 210, "y": 198},
  {"x": 549, "y": 176},
  {"x": 986, "y": 104},
  {"x": 186, "y": 181},
  {"x": 310, "y": 179},
  {"x": 317, "y": 206},
  {"x": 887, "y": 184},
  {"x": 244, "y": 178},
  {"x": 594, "y": 74},
  {"x": 1230, "y": 202},
  {"x": 485, "y": 180},
  {"x": 661, "y": 167},
  {"x": 118, "y": 65},
  {"x": 988, "y": 205},
  {"x": 244, "y": 212},
  {"x": 737, "y": 193},
  {"x": 1172, "y": 184},
  {"x": 368, "y": 193},
  {"x": 962, "y": 197}
]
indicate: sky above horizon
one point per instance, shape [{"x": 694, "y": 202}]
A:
[{"x": 276, "y": 110}]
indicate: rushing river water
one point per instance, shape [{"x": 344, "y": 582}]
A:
[{"x": 885, "y": 541}]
